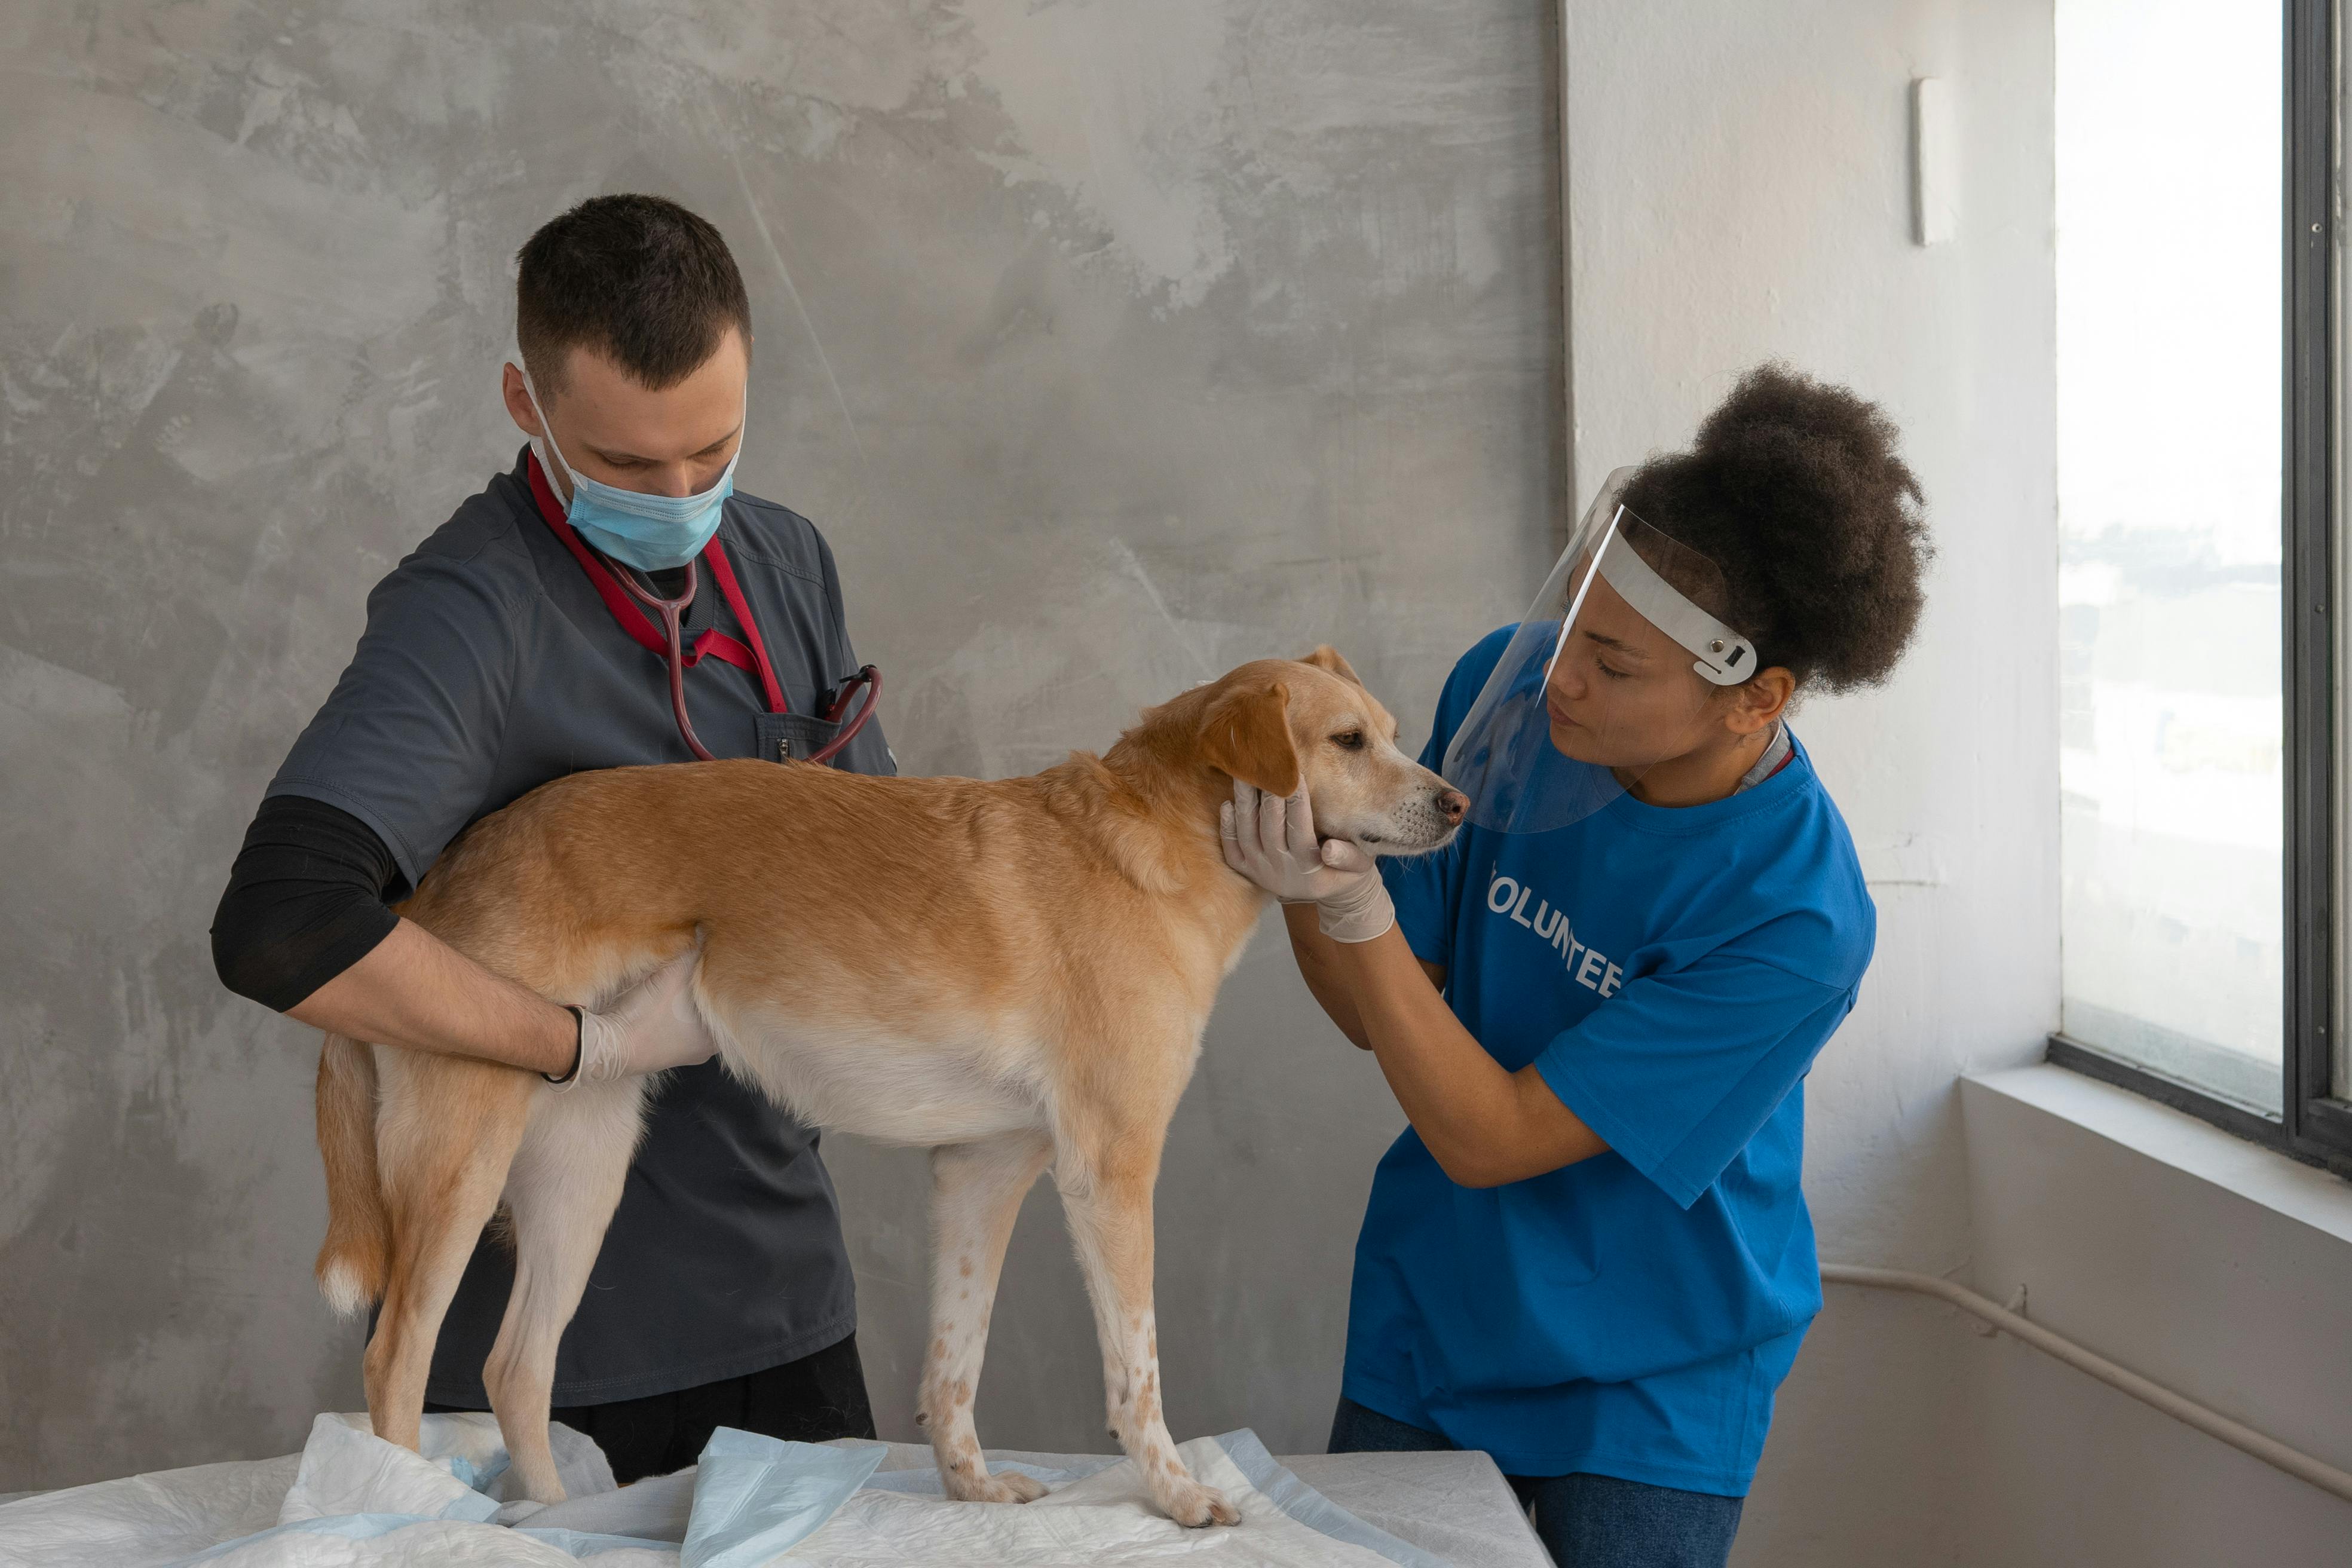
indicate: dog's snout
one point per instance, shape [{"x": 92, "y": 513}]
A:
[{"x": 1451, "y": 804}]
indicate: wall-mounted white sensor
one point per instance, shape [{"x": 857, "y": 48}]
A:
[{"x": 1935, "y": 162}]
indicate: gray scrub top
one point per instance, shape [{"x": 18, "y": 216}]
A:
[{"x": 488, "y": 667}]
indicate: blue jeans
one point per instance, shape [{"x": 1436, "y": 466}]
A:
[{"x": 1583, "y": 1520}]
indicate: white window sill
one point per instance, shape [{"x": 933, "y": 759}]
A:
[{"x": 2179, "y": 1141}]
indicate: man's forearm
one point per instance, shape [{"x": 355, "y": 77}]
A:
[{"x": 414, "y": 990}]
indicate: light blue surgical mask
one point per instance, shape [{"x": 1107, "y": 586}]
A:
[{"x": 652, "y": 533}]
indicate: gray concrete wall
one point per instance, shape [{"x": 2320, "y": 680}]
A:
[{"x": 1112, "y": 343}]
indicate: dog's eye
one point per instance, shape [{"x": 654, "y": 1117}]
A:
[{"x": 1349, "y": 739}]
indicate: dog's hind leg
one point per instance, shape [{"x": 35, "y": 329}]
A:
[
  {"x": 565, "y": 1183},
  {"x": 445, "y": 1131},
  {"x": 1106, "y": 1182},
  {"x": 976, "y": 1193}
]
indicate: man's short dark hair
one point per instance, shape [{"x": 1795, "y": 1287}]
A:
[{"x": 638, "y": 280}]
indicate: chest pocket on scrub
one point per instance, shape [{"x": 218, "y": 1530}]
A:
[{"x": 790, "y": 737}]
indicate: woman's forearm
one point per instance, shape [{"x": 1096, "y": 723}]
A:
[
  {"x": 1317, "y": 967},
  {"x": 414, "y": 990},
  {"x": 1484, "y": 1125}
]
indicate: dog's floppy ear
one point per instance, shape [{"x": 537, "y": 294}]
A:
[
  {"x": 1328, "y": 658},
  {"x": 1246, "y": 731}
]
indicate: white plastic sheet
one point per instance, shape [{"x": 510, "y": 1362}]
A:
[
  {"x": 754, "y": 1497},
  {"x": 350, "y": 1500}
]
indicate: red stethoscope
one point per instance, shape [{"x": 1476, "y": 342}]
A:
[{"x": 617, "y": 585}]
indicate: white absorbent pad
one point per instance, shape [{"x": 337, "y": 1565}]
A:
[
  {"x": 351, "y": 1500},
  {"x": 1107, "y": 1520}
]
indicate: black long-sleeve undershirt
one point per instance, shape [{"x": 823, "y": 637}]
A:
[
  {"x": 309, "y": 893},
  {"x": 309, "y": 896}
]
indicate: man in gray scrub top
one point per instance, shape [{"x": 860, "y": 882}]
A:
[{"x": 501, "y": 655}]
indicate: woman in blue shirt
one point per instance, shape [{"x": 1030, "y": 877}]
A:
[{"x": 1590, "y": 1255}]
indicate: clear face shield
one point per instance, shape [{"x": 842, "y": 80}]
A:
[{"x": 1617, "y": 666}]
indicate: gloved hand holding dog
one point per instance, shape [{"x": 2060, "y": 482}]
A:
[
  {"x": 649, "y": 1027},
  {"x": 1271, "y": 841}
]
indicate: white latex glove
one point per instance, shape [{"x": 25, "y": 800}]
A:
[
  {"x": 648, "y": 1028},
  {"x": 1271, "y": 841}
]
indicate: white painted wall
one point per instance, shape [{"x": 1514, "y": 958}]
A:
[{"x": 1738, "y": 190}]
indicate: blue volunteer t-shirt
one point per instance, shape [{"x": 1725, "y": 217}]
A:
[{"x": 1671, "y": 972}]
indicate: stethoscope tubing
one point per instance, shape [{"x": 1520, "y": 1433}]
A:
[{"x": 672, "y": 612}]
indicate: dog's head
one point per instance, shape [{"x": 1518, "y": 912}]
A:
[{"x": 1278, "y": 723}]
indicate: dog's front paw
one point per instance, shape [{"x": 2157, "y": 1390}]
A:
[{"x": 1194, "y": 1506}]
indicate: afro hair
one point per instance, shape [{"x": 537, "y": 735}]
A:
[{"x": 1795, "y": 489}]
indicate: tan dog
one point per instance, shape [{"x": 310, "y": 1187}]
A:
[{"x": 1012, "y": 974}]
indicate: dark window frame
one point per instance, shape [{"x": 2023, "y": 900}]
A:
[{"x": 2315, "y": 1125}]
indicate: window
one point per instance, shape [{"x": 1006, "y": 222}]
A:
[
  {"x": 2198, "y": 658},
  {"x": 2171, "y": 741}
]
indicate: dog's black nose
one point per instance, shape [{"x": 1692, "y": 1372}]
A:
[{"x": 1450, "y": 805}]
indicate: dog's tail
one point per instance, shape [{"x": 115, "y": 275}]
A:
[{"x": 357, "y": 1255}]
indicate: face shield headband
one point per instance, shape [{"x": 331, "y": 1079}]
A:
[{"x": 1595, "y": 685}]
